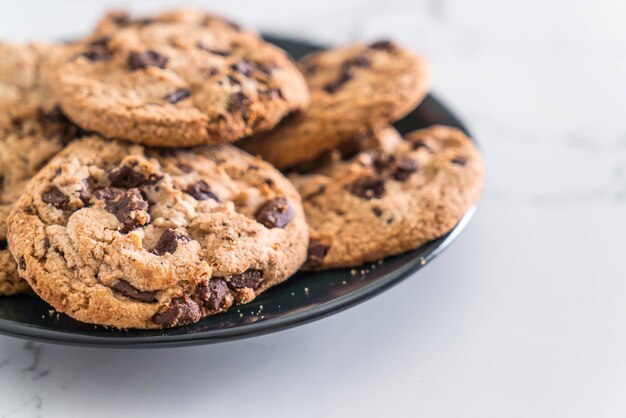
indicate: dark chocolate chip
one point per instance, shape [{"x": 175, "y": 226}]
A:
[
  {"x": 316, "y": 253},
  {"x": 381, "y": 163},
  {"x": 249, "y": 278},
  {"x": 3, "y": 244},
  {"x": 237, "y": 102},
  {"x": 215, "y": 295},
  {"x": 460, "y": 160},
  {"x": 128, "y": 206},
  {"x": 368, "y": 188},
  {"x": 168, "y": 242},
  {"x": 125, "y": 176},
  {"x": 420, "y": 143},
  {"x": 132, "y": 292},
  {"x": 201, "y": 191},
  {"x": 276, "y": 213},
  {"x": 56, "y": 198},
  {"x": 29, "y": 210},
  {"x": 84, "y": 194},
  {"x": 377, "y": 211},
  {"x": 178, "y": 95},
  {"x": 383, "y": 45},
  {"x": 404, "y": 168},
  {"x": 182, "y": 311},
  {"x": 97, "y": 53},
  {"x": 46, "y": 244},
  {"x": 22, "y": 263},
  {"x": 344, "y": 77},
  {"x": 145, "y": 59}
]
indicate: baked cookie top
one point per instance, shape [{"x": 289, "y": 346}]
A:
[
  {"x": 179, "y": 84},
  {"x": 115, "y": 234},
  {"x": 25, "y": 73},
  {"x": 353, "y": 88},
  {"x": 32, "y": 130},
  {"x": 122, "y": 19},
  {"x": 382, "y": 203}
]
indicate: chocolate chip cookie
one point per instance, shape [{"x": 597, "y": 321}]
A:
[
  {"x": 32, "y": 130},
  {"x": 121, "y": 19},
  {"x": 352, "y": 89},
  {"x": 179, "y": 84},
  {"x": 116, "y": 234},
  {"x": 382, "y": 203}
]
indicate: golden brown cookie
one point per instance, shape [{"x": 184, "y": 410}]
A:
[
  {"x": 178, "y": 84},
  {"x": 115, "y": 234},
  {"x": 353, "y": 88},
  {"x": 382, "y": 203}
]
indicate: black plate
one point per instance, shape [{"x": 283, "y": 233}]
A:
[{"x": 304, "y": 298}]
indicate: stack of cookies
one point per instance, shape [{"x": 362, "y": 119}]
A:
[{"x": 123, "y": 202}]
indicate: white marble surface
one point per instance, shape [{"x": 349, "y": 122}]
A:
[{"x": 523, "y": 317}]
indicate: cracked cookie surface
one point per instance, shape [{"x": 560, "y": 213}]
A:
[
  {"x": 353, "y": 88},
  {"x": 32, "y": 130},
  {"x": 178, "y": 83},
  {"x": 116, "y": 234},
  {"x": 388, "y": 200}
]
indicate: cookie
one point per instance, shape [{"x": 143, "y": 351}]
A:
[
  {"x": 382, "y": 203},
  {"x": 32, "y": 130},
  {"x": 121, "y": 19},
  {"x": 352, "y": 89},
  {"x": 116, "y": 234},
  {"x": 24, "y": 77},
  {"x": 179, "y": 84}
]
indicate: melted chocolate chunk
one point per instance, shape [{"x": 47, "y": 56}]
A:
[
  {"x": 249, "y": 278},
  {"x": 404, "y": 168},
  {"x": 382, "y": 163},
  {"x": 178, "y": 95},
  {"x": 420, "y": 143},
  {"x": 368, "y": 188},
  {"x": 238, "y": 102},
  {"x": 201, "y": 191},
  {"x": 129, "y": 291},
  {"x": 128, "y": 206},
  {"x": 214, "y": 295},
  {"x": 182, "y": 311},
  {"x": 97, "y": 53},
  {"x": 276, "y": 213},
  {"x": 125, "y": 176},
  {"x": 46, "y": 244},
  {"x": 145, "y": 59},
  {"x": 460, "y": 160},
  {"x": 22, "y": 263},
  {"x": 383, "y": 45},
  {"x": 168, "y": 242},
  {"x": 316, "y": 253},
  {"x": 344, "y": 77},
  {"x": 56, "y": 198},
  {"x": 3, "y": 244}
]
